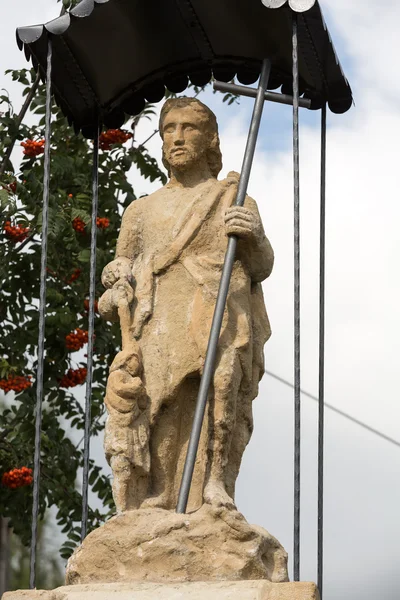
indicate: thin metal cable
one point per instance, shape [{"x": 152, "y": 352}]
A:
[
  {"x": 42, "y": 316},
  {"x": 321, "y": 383},
  {"x": 297, "y": 403},
  {"x": 383, "y": 436},
  {"x": 92, "y": 297}
]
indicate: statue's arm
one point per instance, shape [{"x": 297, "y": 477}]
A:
[
  {"x": 128, "y": 243},
  {"x": 254, "y": 248}
]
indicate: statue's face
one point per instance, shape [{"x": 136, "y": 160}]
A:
[{"x": 185, "y": 137}]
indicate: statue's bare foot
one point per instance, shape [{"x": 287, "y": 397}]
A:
[
  {"x": 216, "y": 495},
  {"x": 161, "y": 501}
]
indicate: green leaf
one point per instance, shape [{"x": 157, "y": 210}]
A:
[{"x": 84, "y": 256}]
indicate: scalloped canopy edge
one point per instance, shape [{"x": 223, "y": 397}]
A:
[{"x": 95, "y": 74}]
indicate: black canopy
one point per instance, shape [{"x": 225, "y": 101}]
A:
[{"x": 109, "y": 56}]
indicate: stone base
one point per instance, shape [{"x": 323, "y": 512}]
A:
[
  {"x": 160, "y": 546},
  {"x": 227, "y": 590}
]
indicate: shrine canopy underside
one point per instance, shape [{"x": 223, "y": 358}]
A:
[{"x": 110, "y": 56}]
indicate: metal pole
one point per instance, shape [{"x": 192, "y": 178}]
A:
[
  {"x": 92, "y": 298},
  {"x": 42, "y": 316},
  {"x": 242, "y": 90},
  {"x": 209, "y": 364},
  {"x": 321, "y": 394},
  {"x": 297, "y": 403}
]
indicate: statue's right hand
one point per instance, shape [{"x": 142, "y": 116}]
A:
[{"x": 118, "y": 269}]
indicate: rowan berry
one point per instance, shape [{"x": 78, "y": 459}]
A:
[
  {"x": 33, "y": 148},
  {"x": 113, "y": 136},
  {"x": 15, "y": 383},
  {"x": 11, "y": 188},
  {"x": 76, "y": 339},
  {"x": 102, "y": 222},
  {"x": 17, "y": 478},
  {"x": 75, "y": 275},
  {"x": 86, "y": 305},
  {"x": 73, "y": 377},
  {"x": 78, "y": 225},
  {"x": 15, "y": 233}
]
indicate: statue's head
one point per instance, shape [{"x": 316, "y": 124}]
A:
[{"x": 189, "y": 132}]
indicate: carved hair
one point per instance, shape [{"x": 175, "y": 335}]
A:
[{"x": 214, "y": 156}]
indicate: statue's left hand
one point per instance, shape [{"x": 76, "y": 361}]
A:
[
  {"x": 122, "y": 293},
  {"x": 118, "y": 269},
  {"x": 244, "y": 223}
]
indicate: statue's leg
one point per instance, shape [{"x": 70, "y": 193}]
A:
[
  {"x": 163, "y": 449},
  {"x": 122, "y": 476},
  {"x": 227, "y": 380},
  {"x": 240, "y": 438},
  {"x": 243, "y": 429},
  {"x": 138, "y": 487}
]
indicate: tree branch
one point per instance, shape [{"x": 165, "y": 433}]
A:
[
  {"x": 24, "y": 243},
  {"x": 18, "y": 122},
  {"x": 21, "y": 116}
]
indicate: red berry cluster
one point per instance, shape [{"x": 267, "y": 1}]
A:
[
  {"x": 11, "y": 188},
  {"x": 33, "y": 148},
  {"x": 75, "y": 275},
  {"x": 76, "y": 339},
  {"x": 15, "y": 383},
  {"x": 113, "y": 136},
  {"x": 102, "y": 222},
  {"x": 15, "y": 233},
  {"x": 86, "y": 305},
  {"x": 73, "y": 377},
  {"x": 78, "y": 225},
  {"x": 17, "y": 478}
]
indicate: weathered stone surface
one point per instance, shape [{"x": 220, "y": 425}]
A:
[
  {"x": 237, "y": 590},
  {"x": 162, "y": 287},
  {"x": 157, "y": 545}
]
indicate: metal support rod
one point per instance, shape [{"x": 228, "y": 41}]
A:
[
  {"x": 321, "y": 391},
  {"x": 242, "y": 90},
  {"x": 297, "y": 401},
  {"x": 209, "y": 364},
  {"x": 92, "y": 298},
  {"x": 42, "y": 316}
]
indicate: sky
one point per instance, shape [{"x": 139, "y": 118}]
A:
[{"x": 362, "y": 483}]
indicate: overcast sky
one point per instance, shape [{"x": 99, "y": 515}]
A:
[{"x": 362, "y": 499}]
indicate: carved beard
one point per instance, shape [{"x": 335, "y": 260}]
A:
[{"x": 183, "y": 158}]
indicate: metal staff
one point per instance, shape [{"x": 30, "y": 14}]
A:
[{"x": 209, "y": 364}]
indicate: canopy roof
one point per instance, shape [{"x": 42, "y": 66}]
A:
[{"x": 109, "y": 56}]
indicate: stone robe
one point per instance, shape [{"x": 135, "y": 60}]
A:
[{"x": 175, "y": 241}]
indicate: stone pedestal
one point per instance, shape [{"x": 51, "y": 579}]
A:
[
  {"x": 155, "y": 545},
  {"x": 227, "y": 590}
]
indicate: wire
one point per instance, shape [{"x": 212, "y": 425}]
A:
[
  {"x": 92, "y": 296},
  {"x": 338, "y": 411},
  {"x": 42, "y": 323}
]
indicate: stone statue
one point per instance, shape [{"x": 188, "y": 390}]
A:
[
  {"x": 167, "y": 269},
  {"x": 162, "y": 287}
]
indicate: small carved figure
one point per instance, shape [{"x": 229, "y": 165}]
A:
[
  {"x": 126, "y": 438},
  {"x": 163, "y": 286}
]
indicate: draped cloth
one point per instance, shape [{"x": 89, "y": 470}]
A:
[{"x": 175, "y": 242}]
